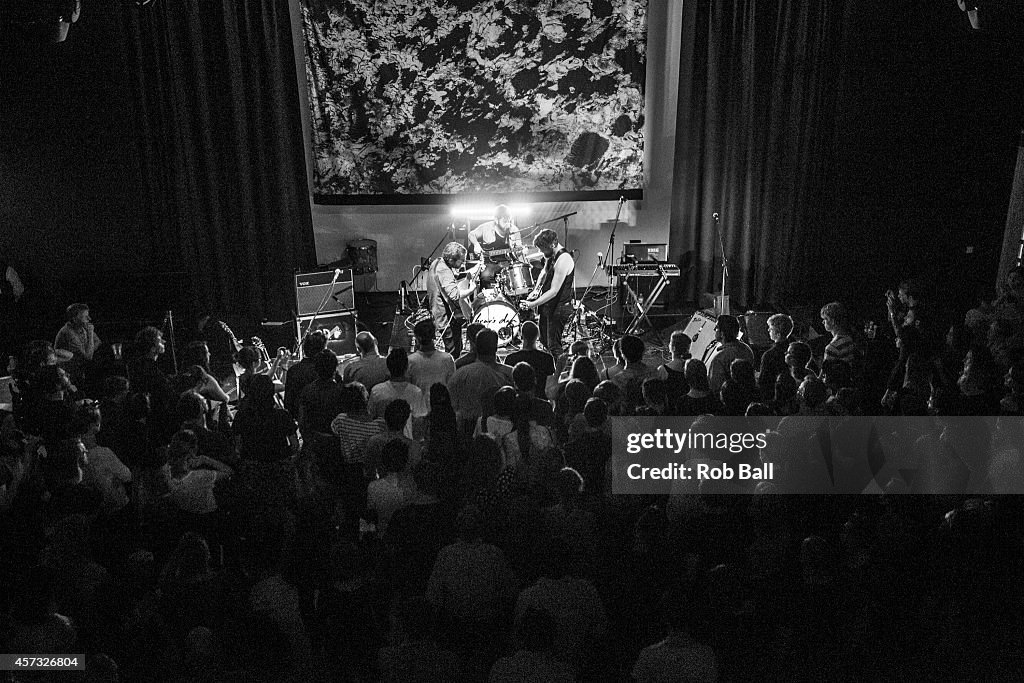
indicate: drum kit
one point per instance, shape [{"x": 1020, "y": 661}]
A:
[{"x": 505, "y": 284}]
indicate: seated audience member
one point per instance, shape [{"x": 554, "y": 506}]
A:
[
  {"x": 542, "y": 362},
  {"x": 386, "y": 495},
  {"x": 729, "y": 349},
  {"x": 535, "y": 659},
  {"x": 396, "y": 416},
  {"x": 836, "y": 375},
  {"x": 798, "y": 358},
  {"x": 655, "y": 393},
  {"x": 469, "y": 356},
  {"x": 263, "y": 431},
  {"x": 320, "y": 401},
  {"x": 633, "y": 374},
  {"x": 472, "y": 585},
  {"x": 812, "y": 396},
  {"x": 398, "y": 386},
  {"x": 78, "y": 336},
  {"x": 784, "y": 400},
  {"x": 699, "y": 400},
  {"x": 192, "y": 411},
  {"x": 429, "y": 365},
  {"x": 589, "y": 450},
  {"x": 674, "y": 371},
  {"x": 303, "y": 373},
  {"x": 501, "y": 421},
  {"x": 471, "y": 382},
  {"x": 679, "y": 657},
  {"x": 370, "y": 369},
  {"x": 842, "y": 346},
  {"x": 103, "y": 470},
  {"x": 194, "y": 378},
  {"x": 773, "y": 361},
  {"x": 524, "y": 377},
  {"x": 416, "y": 654},
  {"x": 193, "y": 476}
]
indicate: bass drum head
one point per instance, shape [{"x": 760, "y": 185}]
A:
[{"x": 500, "y": 316}]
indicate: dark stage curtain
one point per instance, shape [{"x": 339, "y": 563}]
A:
[
  {"x": 756, "y": 134},
  {"x": 221, "y": 146}
]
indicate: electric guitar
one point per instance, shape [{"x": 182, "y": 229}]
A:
[{"x": 466, "y": 278}]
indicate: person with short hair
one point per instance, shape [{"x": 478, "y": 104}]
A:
[
  {"x": 193, "y": 476},
  {"x": 370, "y": 369},
  {"x": 78, "y": 336},
  {"x": 398, "y": 386},
  {"x": 386, "y": 495},
  {"x": 396, "y": 417},
  {"x": 524, "y": 378},
  {"x": 429, "y": 365},
  {"x": 633, "y": 374},
  {"x": 469, "y": 356},
  {"x": 836, "y": 320},
  {"x": 773, "y": 360},
  {"x": 469, "y": 385},
  {"x": 449, "y": 297},
  {"x": 303, "y": 373},
  {"x": 542, "y": 362},
  {"x": 674, "y": 371},
  {"x": 798, "y": 358},
  {"x": 552, "y": 296},
  {"x": 699, "y": 400},
  {"x": 321, "y": 398},
  {"x": 729, "y": 349}
]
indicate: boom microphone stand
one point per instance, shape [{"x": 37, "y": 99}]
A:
[{"x": 722, "y": 302}]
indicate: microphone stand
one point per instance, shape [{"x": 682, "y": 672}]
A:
[
  {"x": 319, "y": 310},
  {"x": 722, "y": 303},
  {"x": 448, "y": 236},
  {"x": 609, "y": 255}
]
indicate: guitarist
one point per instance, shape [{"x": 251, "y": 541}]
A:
[{"x": 449, "y": 297}]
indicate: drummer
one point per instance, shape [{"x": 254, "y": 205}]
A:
[{"x": 498, "y": 242}]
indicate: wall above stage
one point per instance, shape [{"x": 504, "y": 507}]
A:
[{"x": 406, "y": 233}]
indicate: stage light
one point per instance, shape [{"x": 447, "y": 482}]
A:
[{"x": 483, "y": 212}]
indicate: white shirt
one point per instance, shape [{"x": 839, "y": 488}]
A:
[{"x": 109, "y": 475}]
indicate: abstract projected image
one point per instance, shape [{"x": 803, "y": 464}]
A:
[{"x": 439, "y": 97}]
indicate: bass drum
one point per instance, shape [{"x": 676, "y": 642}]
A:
[{"x": 494, "y": 312}]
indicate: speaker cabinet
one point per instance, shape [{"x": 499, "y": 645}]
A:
[
  {"x": 701, "y": 331},
  {"x": 312, "y": 288}
]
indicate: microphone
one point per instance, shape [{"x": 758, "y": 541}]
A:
[
  {"x": 622, "y": 199},
  {"x": 337, "y": 273},
  {"x": 600, "y": 260},
  {"x": 715, "y": 216}
]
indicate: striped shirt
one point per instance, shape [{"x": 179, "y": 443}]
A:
[
  {"x": 842, "y": 347},
  {"x": 354, "y": 435}
]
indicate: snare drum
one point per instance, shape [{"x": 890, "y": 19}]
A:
[
  {"x": 517, "y": 279},
  {"x": 494, "y": 312}
]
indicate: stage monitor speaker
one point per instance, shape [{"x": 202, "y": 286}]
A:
[
  {"x": 701, "y": 330},
  {"x": 340, "y": 329},
  {"x": 311, "y": 288}
]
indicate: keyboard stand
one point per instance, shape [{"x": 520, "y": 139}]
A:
[{"x": 644, "y": 306}]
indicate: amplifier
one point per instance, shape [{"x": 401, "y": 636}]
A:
[
  {"x": 340, "y": 329},
  {"x": 701, "y": 329},
  {"x": 312, "y": 288}
]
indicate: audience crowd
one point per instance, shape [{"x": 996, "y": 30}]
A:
[{"x": 417, "y": 517}]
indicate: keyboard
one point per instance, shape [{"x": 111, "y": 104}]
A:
[{"x": 646, "y": 270}]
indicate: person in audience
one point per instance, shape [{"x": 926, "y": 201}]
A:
[
  {"x": 609, "y": 392},
  {"x": 303, "y": 373},
  {"x": 320, "y": 401},
  {"x": 581, "y": 368},
  {"x": 469, "y": 356},
  {"x": 784, "y": 399},
  {"x": 589, "y": 450},
  {"x": 773, "y": 361},
  {"x": 501, "y": 420},
  {"x": 729, "y": 349},
  {"x": 345, "y": 468},
  {"x": 416, "y": 655},
  {"x": 812, "y": 396},
  {"x": 526, "y": 437},
  {"x": 104, "y": 470},
  {"x": 146, "y": 377},
  {"x": 535, "y": 659},
  {"x": 220, "y": 340},
  {"x": 472, "y": 584},
  {"x": 524, "y": 377},
  {"x": 471, "y": 382},
  {"x": 50, "y": 411},
  {"x": 699, "y": 400},
  {"x": 798, "y": 358},
  {"x": 78, "y": 336},
  {"x": 905, "y": 308},
  {"x": 428, "y": 365},
  {"x": 836, "y": 375},
  {"x": 734, "y": 399},
  {"x": 263, "y": 431},
  {"x": 620, "y": 362},
  {"x": 655, "y": 393},
  {"x": 386, "y": 495},
  {"x": 680, "y": 656},
  {"x": 396, "y": 417},
  {"x": 633, "y": 374},
  {"x": 370, "y": 369},
  {"x": 192, "y": 411},
  {"x": 979, "y": 391},
  {"x": 542, "y": 362},
  {"x": 673, "y": 372},
  {"x": 398, "y": 386},
  {"x": 836, "y": 320},
  {"x": 193, "y": 476},
  {"x": 569, "y": 409},
  {"x": 741, "y": 371},
  {"x": 195, "y": 379},
  {"x": 418, "y": 530}
]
